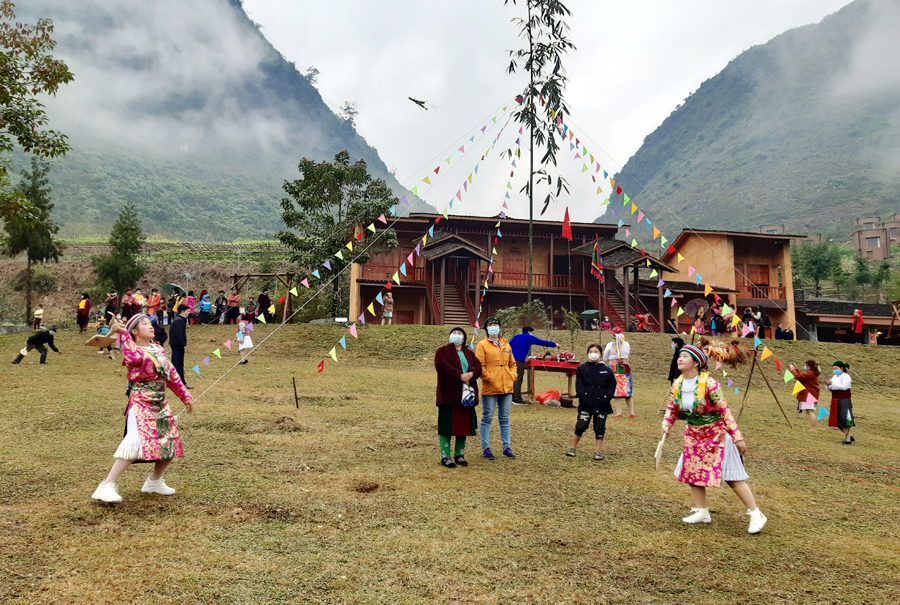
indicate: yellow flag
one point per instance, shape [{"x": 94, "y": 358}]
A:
[
  {"x": 706, "y": 290},
  {"x": 798, "y": 386},
  {"x": 633, "y": 208},
  {"x": 262, "y": 319},
  {"x": 494, "y": 251},
  {"x": 372, "y": 308},
  {"x": 765, "y": 352},
  {"x": 218, "y": 353},
  {"x": 425, "y": 239},
  {"x": 680, "y": 258},
  {"x": 272, "y": 308},
  {"x": 470, "y": 177},
  {"x": 396, "y": 277},
  {"x": 293, "y": 291},
  {"x": 497, "y": 225},
  {"x": 735, "y": 321},
  {"x": 371, "y": 227},
  {"x": 333, "y": 353},
  {"x": 350, "y": 245},
  {"x": 599, "y": 190},
  {"x": 592, "y": 159},
  {"x": 693, "y": 330},
  {"x": 680, "y": 312},
  {"x": 427, "y": 180}
]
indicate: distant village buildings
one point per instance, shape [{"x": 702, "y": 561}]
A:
[{"x": 872, "y": 237}]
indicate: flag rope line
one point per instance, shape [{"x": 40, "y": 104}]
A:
[
  {"x": 688, "y": 228},
  {"x": 324, "y": 285}
]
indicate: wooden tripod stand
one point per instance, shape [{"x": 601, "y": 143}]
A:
[{"x": 771, "y": 390}]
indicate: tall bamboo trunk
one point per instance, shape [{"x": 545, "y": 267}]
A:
[{"x": 28, "y": 286}]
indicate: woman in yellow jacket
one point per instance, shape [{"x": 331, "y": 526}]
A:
[{"x": 497, "y": 377}]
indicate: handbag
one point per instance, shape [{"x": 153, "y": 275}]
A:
[{"x": 468, "y": 396}]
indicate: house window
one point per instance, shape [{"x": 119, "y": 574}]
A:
[
  {"x": 873, "y": 242},
  {"x": 771, "y": 231},
  {"x": 893, "y": 233},
  {"x": 869, "y": 225}
]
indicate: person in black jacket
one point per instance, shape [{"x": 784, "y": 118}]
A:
[
  {"x": 674, "y": 372},
  {"x": 595, "y": 385},
  {"x": 178, "y": 341},
  {"x": 37, "y": 341},
  {"x": 159, "y": 332}
]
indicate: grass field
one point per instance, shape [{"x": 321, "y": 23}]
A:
[{"x": 343, "y": 500}]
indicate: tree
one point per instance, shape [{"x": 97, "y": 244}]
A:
[
  {"x": 815, "y": 263},
  {"x": 328, "y": 208},
  {"x": 312, "y": 75},
  {"x": 120, "y": 268},
  {"x": 546, "y": 32},
  {"x": 27, "y": 70},
  {"x": 349, "y": 112},
  {"x": 34, "y": 235}
]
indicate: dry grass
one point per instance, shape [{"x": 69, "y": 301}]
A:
[{"x": 285, "y": 505}]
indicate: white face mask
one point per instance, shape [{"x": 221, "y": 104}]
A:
[
  {"x": 456, "y": 339},
  {"x": 493, "y": 330},
  {"x": 594, "y": 356}
]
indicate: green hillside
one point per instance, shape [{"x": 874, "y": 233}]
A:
[
  {"x": 802, "y": 131},
  {"x": 187, "y": 111}
]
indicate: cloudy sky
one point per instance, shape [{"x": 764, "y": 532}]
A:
[{"x": 635, "y": 61}]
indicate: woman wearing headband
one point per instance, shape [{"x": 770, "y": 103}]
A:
[
  {"x": 616, "y": 355},
  {"x": 151, "y": 434},
  {"x": 713, "y": 444},
  {"x": 841, "y": 404}
]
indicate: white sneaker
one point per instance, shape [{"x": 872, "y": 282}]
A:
[
  {"x": 107, "y": 492},
  {"x": 701, "y": 515},
  {"x": 757, "y": 521},
  {"x": 157, "y": 487}
]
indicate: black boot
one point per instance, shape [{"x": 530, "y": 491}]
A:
[
  {"x": 448, "y": 462},
  {"x": 18, "y": 359}
]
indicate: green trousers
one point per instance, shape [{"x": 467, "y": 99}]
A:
[{"x": 459, "y": 450}]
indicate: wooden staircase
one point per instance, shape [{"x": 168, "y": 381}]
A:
[{"x": 454, "y": 312}]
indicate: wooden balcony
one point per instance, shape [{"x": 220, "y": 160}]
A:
[
  {"x": 386, "y": 272},
  {"x": 538, "y": 280},
  {"x": 760, "y": 292}
]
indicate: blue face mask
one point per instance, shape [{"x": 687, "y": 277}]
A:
[
  {"x": 493, "y": 330},
  {"x": 456, "y": 339},
  {"x": 837, "y": 372}
]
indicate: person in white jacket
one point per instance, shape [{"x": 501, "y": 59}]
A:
[
  {"x": 841, "y": 405},
  {"x": 616, "y": 355}
]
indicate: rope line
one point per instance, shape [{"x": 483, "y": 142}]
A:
[{"x": 688, "y": 228}]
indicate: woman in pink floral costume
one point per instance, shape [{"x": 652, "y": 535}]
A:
[
  {"x": 713, "y": 444},
  {"x": 151, "y": 434}
]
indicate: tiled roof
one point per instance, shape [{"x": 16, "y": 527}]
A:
[{"x": 832, "y": 306}]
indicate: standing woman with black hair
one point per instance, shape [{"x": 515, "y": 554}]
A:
[
  {"x": 84, "y": 312},
  {"x": 458, "y": 370},
  {"x": 595, "y": 385},
  {"x": 841, "y": 403}
]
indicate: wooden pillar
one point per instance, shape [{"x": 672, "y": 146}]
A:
[
  {"x": 659, "y": 300},
  {"x": 625, "y": 284},
  {"x": 477, "y": 288},
  {"x": 603, "y": 301},
  {"x": 289, "y": 304},
  {"x": 637, "y": 291},
  {"x": 443, "y": 288},
  {"x": 551, "y": 261}
]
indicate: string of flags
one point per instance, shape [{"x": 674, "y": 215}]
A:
[
  {"x": 591, "y": 166},
  {"x": 407, "y": 264},
  {"x": 357, "y": 241}
]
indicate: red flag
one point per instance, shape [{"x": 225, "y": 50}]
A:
[
  {"x": 281, "y": 300},
  {"x": 778, "y": 364},
  {"x": 359, "y": 237},
  {"x": 671, "y": 249},
  {"x": 321, "y": 366},
  {"x": 567, "y": 226},
  {"x": 388, "y": 285}
]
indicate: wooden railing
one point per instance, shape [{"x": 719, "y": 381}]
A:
[
  {"x": 760, "y": 291},
  {"x": 431, "y": 297},
  {"x": 470, "y": 309},
  {"x": 385, "y": 272},
  {"x": 538, "y": 280}
]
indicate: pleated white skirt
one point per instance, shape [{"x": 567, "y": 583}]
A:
[{"x": 732, "y": 465}]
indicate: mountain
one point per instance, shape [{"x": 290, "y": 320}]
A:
[
  {"x": 802, "y": 131},
  {"x": 185, "y": 109}
]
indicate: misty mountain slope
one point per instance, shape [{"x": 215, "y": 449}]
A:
[
  {"x": 802, "y": 131},
  {"x": 185, "y": 109}
]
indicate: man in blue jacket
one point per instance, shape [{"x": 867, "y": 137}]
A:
[
  {"x": 178, "y": 341},
  {"x": 521, "y": 348}
]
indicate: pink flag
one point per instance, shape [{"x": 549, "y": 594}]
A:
[
  {"x": 462, "y": 149},
  {"x": 718, "y": 365},
  {"x": 458, "y": 195},
  {"x": 673, "y": 302},
  {"x": 747, "y": 330},
  {"x": 690, "y": 271},
  {"x": 810, "y": 399},
  {"x": 640, "y": 215},
  {"x": 353, "y": 331},
  {"x": 505, "y": 206},
  {"x": 227, "y": 344},
  {"x": 382, "y": 219},
  {"x": 627, "y": 233},
  {"x": 409, "y": 258},
  {"x": 305, "y": 282}
]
